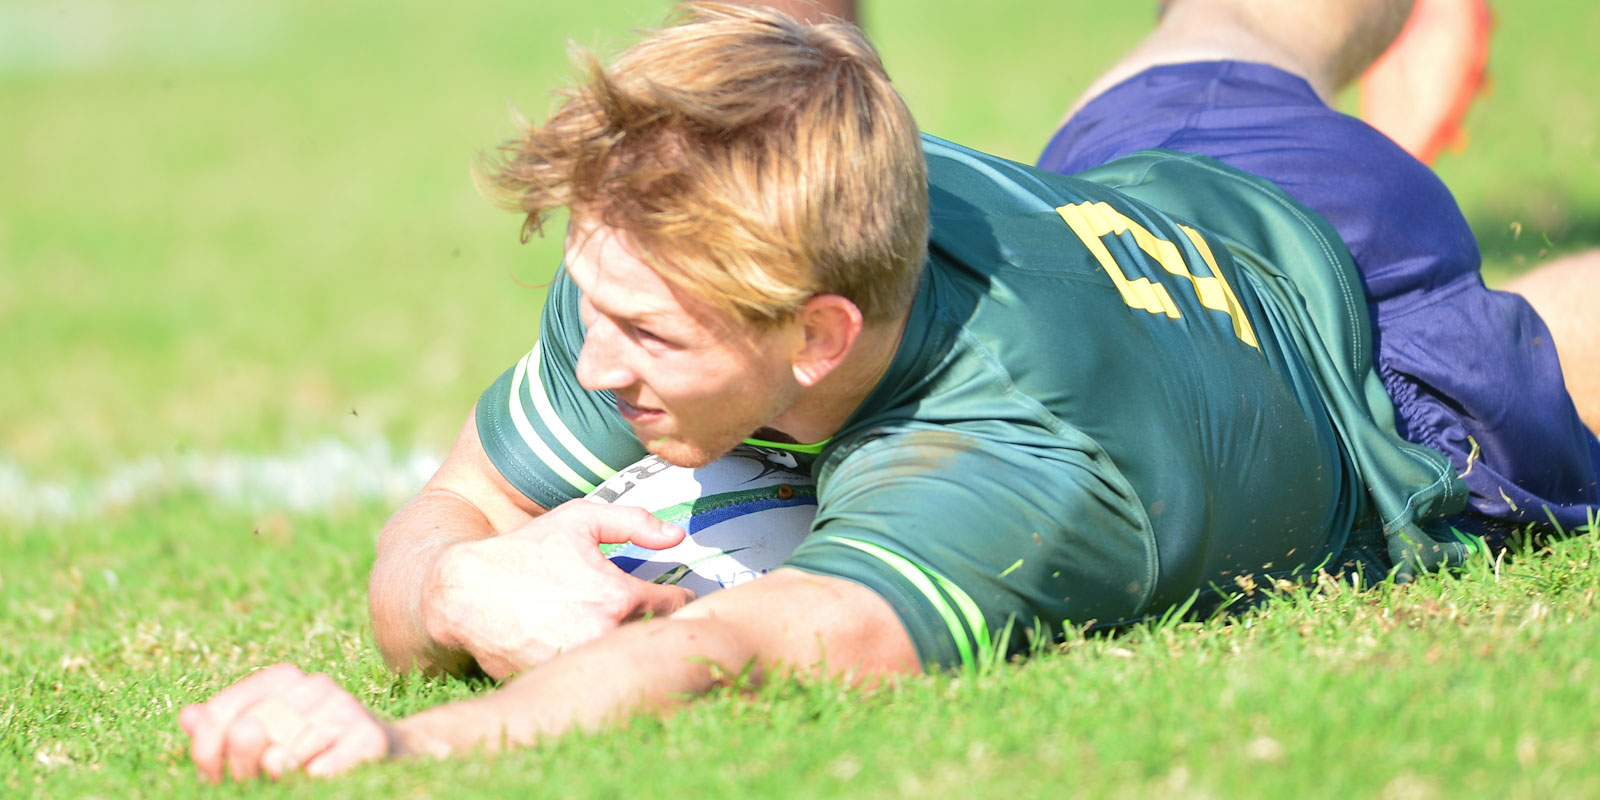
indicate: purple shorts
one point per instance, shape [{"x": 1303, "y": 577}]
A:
[{"x": 1472, "y": 371}]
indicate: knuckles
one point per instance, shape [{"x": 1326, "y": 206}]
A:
[
  {"x": 243, "y": 746},
  {"x": 282, "y": 668},
  {"x": 279, "y": 674},
  {"x": 247, "y": 735},
  {"x": 530, "y": 593}
]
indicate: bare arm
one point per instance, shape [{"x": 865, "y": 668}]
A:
[
  {"x": 1566, "y": 293},
  {"x": 466, "y": 500},
  {"x": 280, "y": 719},
  {"x": 789, "y": 620},
  {"x": 472, "y": 572}
]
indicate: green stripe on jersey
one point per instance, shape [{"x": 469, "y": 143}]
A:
[
  {"x": 552, "y": 420},
  {"x": 530, "y": 437},
  {"x": 681, "y": 512},
  {"x": 809, "y": 449},
  {"x": 919, "y": 577}
]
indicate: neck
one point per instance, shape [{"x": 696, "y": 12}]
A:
[{"x": 821, "y": 410}]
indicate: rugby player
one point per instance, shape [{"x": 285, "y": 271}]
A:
[{"x": 1032, "y": 400}]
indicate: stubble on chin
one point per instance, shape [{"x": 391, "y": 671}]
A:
[{"x": 682, "y": 454}]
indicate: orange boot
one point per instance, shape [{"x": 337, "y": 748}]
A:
[{"x": 1419, "y": 91}]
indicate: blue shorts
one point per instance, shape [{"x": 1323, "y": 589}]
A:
[{"x": 1472, "y": 371}]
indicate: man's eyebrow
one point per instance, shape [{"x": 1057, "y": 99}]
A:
[{"x": 647, "y": 315}]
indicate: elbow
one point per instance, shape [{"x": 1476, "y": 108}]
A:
[
  {"x": 397, "y": 638},
  {"x": 399, "y": 651},
  {"x": 406, "y": 649},
  {"x": 407, "y": 631}
]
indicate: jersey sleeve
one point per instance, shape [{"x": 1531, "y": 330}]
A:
[
  {"x": 982, "y": 547},
  {"x": 548, "y": 436}
]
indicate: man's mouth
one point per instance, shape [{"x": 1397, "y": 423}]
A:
[{"x": 633, "y": 413}]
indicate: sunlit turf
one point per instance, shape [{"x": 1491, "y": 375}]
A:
[
  {"x": 234, "y": 224},
  {"x": 241, "y": 227},
  {"x": 1479, "y": 684}
]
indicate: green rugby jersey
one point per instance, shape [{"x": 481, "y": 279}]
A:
[{"x": 1114, "y": 390}]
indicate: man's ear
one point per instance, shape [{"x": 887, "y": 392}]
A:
[{"x": 831, "y": 325}]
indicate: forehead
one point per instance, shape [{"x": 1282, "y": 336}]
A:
[
  {"x": 617, "y": 282},
  {"x": 609, "y": 272}
]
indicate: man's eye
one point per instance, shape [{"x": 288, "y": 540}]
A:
[{"x": 649, "y": 335}]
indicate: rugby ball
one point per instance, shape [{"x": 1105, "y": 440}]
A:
[{"x": 745, "y": 513}]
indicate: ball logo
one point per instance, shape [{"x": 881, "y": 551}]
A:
[
  {"x": 744, "y": 513},
  {"x": 620, "y": 484}
]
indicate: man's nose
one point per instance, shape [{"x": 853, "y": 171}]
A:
[{"x": 599, "y": 361}]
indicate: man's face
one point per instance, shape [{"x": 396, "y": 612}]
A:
[{"x": 692, "y": 381}]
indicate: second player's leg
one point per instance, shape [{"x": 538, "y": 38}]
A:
[
  {"x": 1472, "y": 372},
  {"x": 1566, "y": 293},
  {"x": 1327, "y": 42}
]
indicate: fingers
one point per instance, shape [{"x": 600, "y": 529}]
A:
[
  {"x": 278, "y": 720},
  {"x": 499, "y": 667},
  {"x": 208, "y": 724},
  {"x": 360, "y": 741},
  {"x": 275, "y": 761},
  {"x": 281, "y": 717},
  {"x": 656, "y": 535},
  {"x": 290, "y": 718},
  {"x": 189, "y": 719},
  {"x": 313, "y": 741},
  {"x": 609, "y": 524},
  {"x": 331, "y": 721},
  {"x": 245, "y": 742},
  {"x": 657, "y": 600}
]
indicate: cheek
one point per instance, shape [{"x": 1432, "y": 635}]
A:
[
  {"x": 684, "y": 380},
  {"x": 732, "y": 386}
]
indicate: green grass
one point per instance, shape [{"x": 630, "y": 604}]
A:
[
  {"x": 247, "y": 227},
  {"x": 232, "y": 243},
  {"x": 1477, "y": 684}
]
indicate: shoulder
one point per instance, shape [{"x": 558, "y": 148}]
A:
[
  {"x": 1252, "y": 215},
  {"x": 957, "y": 173},
  {"x": 970, "y": 538},
  {"x": 945, "y": 463}
]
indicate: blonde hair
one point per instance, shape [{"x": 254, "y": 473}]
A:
[{"x": 751, "y": 160}]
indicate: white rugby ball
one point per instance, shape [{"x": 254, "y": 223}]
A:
[{"x": 745, "y": 513}]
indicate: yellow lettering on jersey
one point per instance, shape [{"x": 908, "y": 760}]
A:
[
  {"x": 1214, "y": 292},
  {"x": 1091, "y": 221}
]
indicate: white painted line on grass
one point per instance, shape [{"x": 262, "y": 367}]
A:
[
  {"x": 72, "y": 36},
  {"x": 311, "y": 478}
]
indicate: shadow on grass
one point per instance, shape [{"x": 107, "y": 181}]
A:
[{"x": 1358, "y": 571}]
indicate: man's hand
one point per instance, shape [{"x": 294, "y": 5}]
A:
[
  {"x": 280, "y": 720},
  {"x": 517, "y": 599}
]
